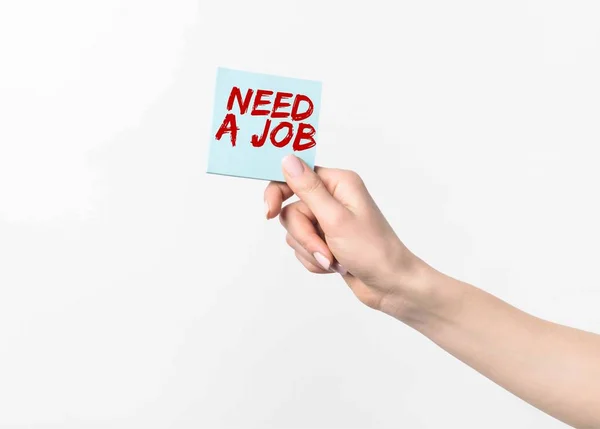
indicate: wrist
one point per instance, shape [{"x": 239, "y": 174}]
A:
[{"x": 421, "y": 296}]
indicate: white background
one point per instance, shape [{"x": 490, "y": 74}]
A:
[{"x": 137, "y": 291}]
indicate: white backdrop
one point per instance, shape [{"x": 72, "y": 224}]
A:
[{"x": 137, "y": 291}]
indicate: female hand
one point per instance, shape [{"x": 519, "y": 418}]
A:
[
  {"x": 337, "y": 227},
  {"x": 553, "y": 367}
]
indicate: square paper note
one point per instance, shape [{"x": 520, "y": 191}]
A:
[{"x": 258, "y": 119}]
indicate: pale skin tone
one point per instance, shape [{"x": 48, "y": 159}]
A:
[{"x": 336, "y": 228}]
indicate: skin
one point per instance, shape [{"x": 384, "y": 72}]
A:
[{"x": 553, "y": 367}]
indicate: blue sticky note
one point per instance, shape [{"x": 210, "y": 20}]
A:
[{"x": 245, "y": 105}]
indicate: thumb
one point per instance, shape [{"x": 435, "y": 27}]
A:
[{"x": 309, "y": 187}]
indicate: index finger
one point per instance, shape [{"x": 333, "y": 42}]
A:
[{"x": 275, "y": 194}]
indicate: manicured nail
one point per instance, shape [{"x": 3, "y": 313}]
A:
[
  {"x": 338, "y": 268},
  {"x": 292, "y": 165},
  {"x": 267, "y": 210},
  {"x": 322, "y": 260}
]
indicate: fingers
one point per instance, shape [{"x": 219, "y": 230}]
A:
[
  {"x": 304, "y": 257},
  {"x": 334, "y": 180},
  {"x": 275, "y": 194},
  {"x": 309, "y": 265},
  {"x": 309, "y": 187},
  {"x": 298, "y": 220}
]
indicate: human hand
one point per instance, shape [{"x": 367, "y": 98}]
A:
[{"x": 337, "y": 227}]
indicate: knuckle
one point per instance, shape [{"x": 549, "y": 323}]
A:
[
  {"x": 299, "y": 258},
  {"x": 289, "y": 240},
  {"x": 337, "y": 218},
  {"x": 284, "y": 214},
  {"x": 353, "y": 178},
  {"x": 311, "y": 186},
  {"x": 302, "y": 242}
]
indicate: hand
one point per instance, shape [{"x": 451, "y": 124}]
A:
[{"x": 337, "y": 227}]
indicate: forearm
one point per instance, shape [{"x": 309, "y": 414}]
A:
[{"x": 553, "y": 367}]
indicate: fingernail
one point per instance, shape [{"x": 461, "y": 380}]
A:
[
  {"x": 267, "y": 210},
  {"x": 338, "y": 268},
  {"x": 322, "y": 260},
  {"x": 292, "y": 165}
]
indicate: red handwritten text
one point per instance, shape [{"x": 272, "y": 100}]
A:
[{"x": 271, "y": 105}]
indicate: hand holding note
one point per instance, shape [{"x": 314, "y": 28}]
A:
[{"x": 337, "y": 227}]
